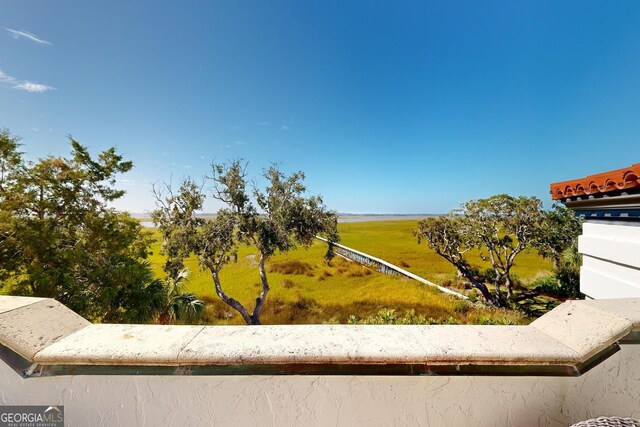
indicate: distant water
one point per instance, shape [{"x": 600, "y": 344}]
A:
[
  {"x": 349, "y": 218},
  {"x": 369, "y": 218}
]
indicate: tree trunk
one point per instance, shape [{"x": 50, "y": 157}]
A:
[
  {"x": 263, "y": 295},
  {"x": 497, "y": 293},
  {"x": 509, "y": 285},
  {"x": 230, "y": 301},
  {"x": 479, "y": 286}
]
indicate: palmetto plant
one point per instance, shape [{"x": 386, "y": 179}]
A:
[{"x": 179, "y": 305}]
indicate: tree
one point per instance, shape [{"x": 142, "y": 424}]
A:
[
  {"x": 281, "y": 219},
  {"x": 59, "y": 238},
  {"x": 561, "y": 228},
  {"x": 568, "y": 271},
  {"x": 443, "y": 235},
  {"x": 500, "y": 227},
  {"x": 10, "y": 158}
]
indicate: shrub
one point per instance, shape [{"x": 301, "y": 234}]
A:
[{"x": 386, "y": 316}]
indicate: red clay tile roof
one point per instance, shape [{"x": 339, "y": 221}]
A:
[{"x": 619, "y": 179}]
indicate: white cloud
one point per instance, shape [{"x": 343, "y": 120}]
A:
[
  {"x": 33, "y": 87},
  {"x": 285, "y": 128},
  {"x": 7, "y": 80},
  {"x": 23, "y": 34},
  {"x": 240, "y": 143}
]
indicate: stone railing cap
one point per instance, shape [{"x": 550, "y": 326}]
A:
[
  {"x": 48, "y": 334},
  {"x": 28, "y": 328}
]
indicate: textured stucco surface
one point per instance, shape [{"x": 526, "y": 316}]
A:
[
  {"x": 610, "y": 388},
  {"x": 29, "y": 328},
  {"x": 374, "y": 343},
  {"x": 121, "y": 344},
  {"x": 585, "y": 329},
  {"x": 8, "y": 303}
]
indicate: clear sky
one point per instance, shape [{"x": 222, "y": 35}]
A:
[{"x": 389, "y": 107}]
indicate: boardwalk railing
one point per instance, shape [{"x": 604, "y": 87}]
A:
[{"x": 383, "y": 266}]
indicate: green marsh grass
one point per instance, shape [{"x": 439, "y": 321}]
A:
[{"x": 305, "y": 289}]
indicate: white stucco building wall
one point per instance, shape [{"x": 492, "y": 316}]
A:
[
  {"x": 610, "y": 259},
  {"x": 611, "y": 388}
]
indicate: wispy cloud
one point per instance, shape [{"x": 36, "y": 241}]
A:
[
  {"x": 240, "y": 143},
  {"x": 26, "y": 85},
  {"x": 25, "y": 35},
  {"x": 285, "y": 128},
  {"x": 33, "y": 87}
]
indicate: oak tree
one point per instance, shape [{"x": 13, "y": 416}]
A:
[
  {"x": 276, "y": 219},
  {"x": 500, "y": 227}
]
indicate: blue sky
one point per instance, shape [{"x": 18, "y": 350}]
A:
[{"x": 389, "y": 107}]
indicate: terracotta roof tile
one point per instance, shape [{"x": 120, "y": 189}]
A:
[{"x": 619, "y": 179}]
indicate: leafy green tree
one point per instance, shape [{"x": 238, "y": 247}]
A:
[
  {"x": 10, "y": 158},
  {"x": 568, "y": 271},
  {"x": 281, "y": 219},
  {"x": 59, "y": 238},
  {"x": 500, "y": 227},
  {"x": 561, "y": 228},
  {"x": 444, "y": 236}
]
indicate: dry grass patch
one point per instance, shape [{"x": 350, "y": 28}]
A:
[
  {"x": 288, "y": 284},
  {"x": 293, "y": 266},
  {"x": 323, "y": 275}
]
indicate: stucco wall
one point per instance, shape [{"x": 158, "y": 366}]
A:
[{"x": 610, "y": 388}]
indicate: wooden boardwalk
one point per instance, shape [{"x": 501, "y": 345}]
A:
[{"x": 383, "y": 266}]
